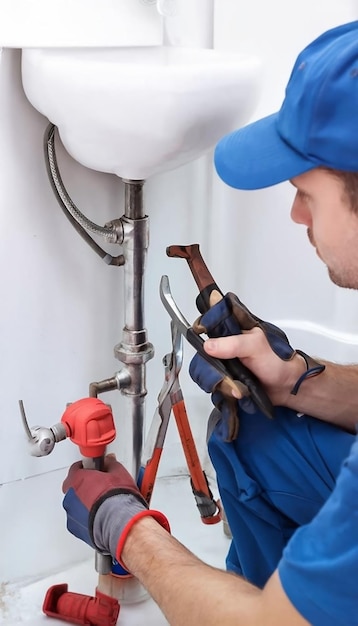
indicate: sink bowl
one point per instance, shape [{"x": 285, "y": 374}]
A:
[{"x": 139, "y": 111}]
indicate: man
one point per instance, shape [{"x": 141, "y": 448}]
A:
[{"x": 313, "y": 523}]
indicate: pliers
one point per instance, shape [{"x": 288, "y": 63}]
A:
[
  {"x": 197, "y": 341},
  {"x": 171, "y": 399}
]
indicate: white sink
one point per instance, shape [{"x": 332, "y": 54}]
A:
[{"x": 139, "y": 111}]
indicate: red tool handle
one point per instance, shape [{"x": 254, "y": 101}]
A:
[
  {"x": 149, "y": 475},
  {"x": 199, "y": 483}
]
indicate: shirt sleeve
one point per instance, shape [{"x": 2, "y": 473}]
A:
[{"x": 319, "y": 566}]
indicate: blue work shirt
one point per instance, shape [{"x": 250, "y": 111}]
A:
[{"x": 319, "y": 567}]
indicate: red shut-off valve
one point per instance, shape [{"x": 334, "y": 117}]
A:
[{"x": 89, "y": 424}]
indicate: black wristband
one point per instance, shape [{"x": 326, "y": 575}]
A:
[{"x": 313, "y": 369}]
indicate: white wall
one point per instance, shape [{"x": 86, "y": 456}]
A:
[{"x": 61, "y": 311}]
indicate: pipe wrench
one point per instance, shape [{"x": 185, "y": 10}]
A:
[
  {"x": 210, "y": 294},
  {"x": 170, "y": 399}
]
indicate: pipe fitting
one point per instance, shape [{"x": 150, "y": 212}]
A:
[
  {"x": 133, "y": 353},
  {"x": 116, "y": 226},
  {"x": 119, "y": 381},
  {"x": 135, "y": 232}
]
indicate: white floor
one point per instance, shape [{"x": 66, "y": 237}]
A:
[{"x": 22, "y": 605}]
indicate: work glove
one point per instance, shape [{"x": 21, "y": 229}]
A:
[
  {"x": 102, "y": 507},
  {"x": 228, "y": 317}
]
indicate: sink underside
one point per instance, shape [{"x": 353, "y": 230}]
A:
[{"x": 139, "y": 111}]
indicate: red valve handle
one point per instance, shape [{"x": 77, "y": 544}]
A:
[{"x": 89, "y": 424}]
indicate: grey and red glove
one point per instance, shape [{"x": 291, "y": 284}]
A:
[{"x": 102, "y": 507}]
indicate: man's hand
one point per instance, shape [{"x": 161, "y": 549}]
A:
[
  {"x": 252, "y": 347},
  {"x": 102, "y": 507},
  {"x": 261, "y": 346}
]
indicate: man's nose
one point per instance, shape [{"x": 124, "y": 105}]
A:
[{"x": 300, "y": 213}]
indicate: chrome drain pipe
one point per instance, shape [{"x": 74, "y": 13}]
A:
[{"x": 134, "y": 350}]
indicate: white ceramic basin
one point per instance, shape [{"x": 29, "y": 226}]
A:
[{"x": 139, "y": 111}]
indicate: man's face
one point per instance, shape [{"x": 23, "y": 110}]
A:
[{"x": 332, "y": 227}]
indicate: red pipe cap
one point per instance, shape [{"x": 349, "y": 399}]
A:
[{"x": 76, "y": 608}]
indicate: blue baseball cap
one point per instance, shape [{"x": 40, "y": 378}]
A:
[{"x": 317, "y": 124}]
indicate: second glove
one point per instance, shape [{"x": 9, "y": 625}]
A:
[{"x": 102, "y": 507}]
